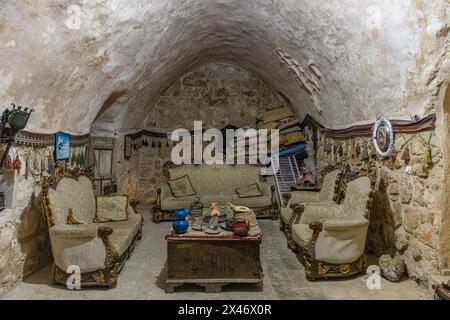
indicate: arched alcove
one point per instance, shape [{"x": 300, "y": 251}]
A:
[{"x": 218, "y": 94}]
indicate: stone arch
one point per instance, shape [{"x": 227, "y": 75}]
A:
[{"x": 445, "y": 226}]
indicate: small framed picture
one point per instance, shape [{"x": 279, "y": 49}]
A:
[
  {"x": 62, "y": 146},
  {"x": 127, "y": 147}
]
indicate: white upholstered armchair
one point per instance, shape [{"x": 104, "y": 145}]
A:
[
  {"x": 298, "y": 200},
  {"x": 93, "y": 234},
  {"x": 331, "y": 238}
]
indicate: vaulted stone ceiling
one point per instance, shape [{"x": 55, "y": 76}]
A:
[{"x": 108, "y": 60}]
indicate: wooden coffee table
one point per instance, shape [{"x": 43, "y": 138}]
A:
[{"x": 213, "y": 261}]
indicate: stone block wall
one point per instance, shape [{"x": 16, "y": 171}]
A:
[
  {"x": 217, "y": 94},
  {"x": 406, "y": 213}
]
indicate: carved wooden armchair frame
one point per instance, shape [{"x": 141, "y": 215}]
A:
[
  {"x": 298, "y": 208},
  {"x": 316, "y": 269},
  {"x": 113, "y": 262}
]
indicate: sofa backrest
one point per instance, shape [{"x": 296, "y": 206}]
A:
[
  {"x": 77, "y": 195},
  {"x": 329, "y": 182},
  {"x": 220, "y": 179},
  {"x": 357, "y": 197}
]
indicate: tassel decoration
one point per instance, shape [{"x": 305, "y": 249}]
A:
[
  {"x": 364, "y": 153},
  {"x": 428, "y": 160},
  {"x": 373, "y": 150},
  {"x": 340, "y": 150},
  {"x": 357, "y": 150},
  {"x": 405, "y": 155}
]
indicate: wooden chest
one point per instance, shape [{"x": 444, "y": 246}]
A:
[{"x": 212, "y": 261}]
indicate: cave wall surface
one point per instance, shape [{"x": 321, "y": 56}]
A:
[{"x": 340, "y": 61}]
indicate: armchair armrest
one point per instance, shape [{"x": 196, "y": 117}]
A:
[
  {"x": 344, "y": 224},
  {"x": 75, "y": 230},
  {"x": 163, "y": 191},
  {"x": 297, "y": 211},
  {"x": 337, "y": 241},
  {"x": 86, "y": 246}
]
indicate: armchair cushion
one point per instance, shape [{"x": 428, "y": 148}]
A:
[
  {"x": 124, "y": 232},
  {"x": 253, "y": 202},
  {"x": 77, "y": 245},
  {"x": 304, "y": 196},
  {"x": 341, "y": 245},
  {"x": 181, "y": 187},
  {"x": 113, "y": 208},
  {"x": 301, "y": 233}
]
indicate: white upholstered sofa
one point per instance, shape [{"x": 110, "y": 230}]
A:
[
  {"x": 220, "y": 183},
  {"x": 93, "y": 235}
]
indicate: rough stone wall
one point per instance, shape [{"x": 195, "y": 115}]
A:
[
  {"x": 406, "y": 215},
  {"x": 217, "y": 94},
  {"x": 25, "y": 222}
]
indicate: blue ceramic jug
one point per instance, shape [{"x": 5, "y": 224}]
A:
[
  {"x": 180, "y": 225},
  {"x": 181, "y": 213}
]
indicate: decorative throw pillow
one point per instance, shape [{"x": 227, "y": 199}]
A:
[
  {"x": 249, "y": 191},
  {"x": 181, "y": 187},
  {"x": 113, "y": 208}
]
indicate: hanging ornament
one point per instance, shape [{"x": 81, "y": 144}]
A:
[
  {"x": 153, "y": 143},
  {"x": 145, "y": 142},
  {"x": 428, "y": 160},
  {"x": 405, "y": 155},
  {"x": 373, "y": 150},
  {"x": 340, "y": 150},
  {"x": 357, "y": 150},
  {"x": 80, "y": 159},
  {"x": 346, "y": 149},
  {"x": 364, "y": 153},
  {"x": 167, "y": 143},
  {"x": 8, "y": 163},
  {"x": 73, "y": 159},
  {"x": 17, "y": 163},
  {"x": 51, "y": 166},
  {"x": 27, "y": 167}
]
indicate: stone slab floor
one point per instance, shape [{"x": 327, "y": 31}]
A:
[{"x": 284, "y": 277}]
